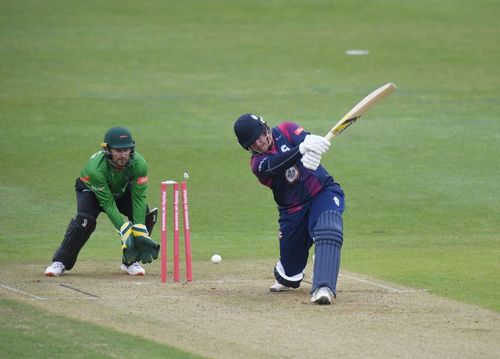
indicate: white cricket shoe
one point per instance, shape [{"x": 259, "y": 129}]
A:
[
  {"x": 133, "y": 269},
  {"x": 322, "y": 295},
  {"x": 278, "y": 287},
  {"x": 55, "y": 269}
]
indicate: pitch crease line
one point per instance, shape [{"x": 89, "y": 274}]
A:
[
  {"x": 373, "y": 283},
  {"x": 22, "y": 292}
]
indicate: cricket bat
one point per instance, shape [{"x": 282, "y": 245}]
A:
[{"x": 363, "y": 106}]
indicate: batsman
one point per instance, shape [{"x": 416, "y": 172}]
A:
[
  {"x": 113, "y": 181},
  {"x": 287, "y": 159}
]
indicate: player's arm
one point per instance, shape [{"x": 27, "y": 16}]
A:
[
  {"x": 268, "y": 165},
  {"x": 311, "y": 147},
  {"x": 147, "y": 247},
  {"x": 307, "y": 141},
  {"x": 138, "y": 190}
]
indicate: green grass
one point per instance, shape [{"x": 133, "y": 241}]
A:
[
  {"x": 419, "y": 171},
  {"x": 26, "y": 332}
]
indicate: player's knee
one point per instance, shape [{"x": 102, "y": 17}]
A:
[
  {"x": 284, "y": 279},
  {"x": 84, "y": 222},
  {"x": 329, "y": 229}
]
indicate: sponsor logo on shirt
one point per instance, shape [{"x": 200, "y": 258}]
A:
[
  {"x": 292, "y": 174},
  {"x": 85, "y": 179},
  {"x": 299, "y": 130},
  {"x": 142, "y": 180},
  {"x": 285, "y": 148}
]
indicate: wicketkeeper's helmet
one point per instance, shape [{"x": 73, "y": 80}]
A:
[
  {"x": 118, "y": 137},
  {"x": 248, "y": 128}
]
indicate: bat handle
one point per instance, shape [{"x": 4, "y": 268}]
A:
[{"x": 329, "y": 136}]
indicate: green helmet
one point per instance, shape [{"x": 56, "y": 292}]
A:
[{"x": 118, "y": 137}]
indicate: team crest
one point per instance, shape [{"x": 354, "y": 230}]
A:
[{"x": 292, "y": 174}]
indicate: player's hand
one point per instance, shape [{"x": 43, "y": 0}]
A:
[
  {"x": 317, "y": 144},
  {"x": 148, "y": 248},
  {"x": 305, "y": 145},
  {"x": 311, "y": 160},
  {"x": 129, "y": 250}
]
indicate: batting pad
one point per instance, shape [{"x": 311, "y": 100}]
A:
[
  {"x": 328, "y": 238},
  {"x": 78, "y": 232}
]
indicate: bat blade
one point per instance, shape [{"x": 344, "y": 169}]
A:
[{"x": 363, "y": 106}]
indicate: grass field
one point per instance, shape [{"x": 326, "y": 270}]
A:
[{"x": 419, "y": 171}]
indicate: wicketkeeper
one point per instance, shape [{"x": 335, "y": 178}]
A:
[
  {"x": 113, "y": 181},
  {"x": 310, "y": 203}
]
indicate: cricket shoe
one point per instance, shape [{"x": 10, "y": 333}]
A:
[
  {"x": 133, "y": 269},
  {"x": 322, "y": 295},
  {"x": 278, "y": 287},
  {"x": 55, "y": 269}
]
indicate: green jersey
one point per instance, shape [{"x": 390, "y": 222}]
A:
[{"x": 109, "y": 184}]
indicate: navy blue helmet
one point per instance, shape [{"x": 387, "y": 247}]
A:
[{"x": 248, "y": 128}]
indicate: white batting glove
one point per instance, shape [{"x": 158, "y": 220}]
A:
[
  {"x": 319, "y": 144},
  {"x": 314, "y": 143},
  {"x": 311, "y": 160},
  {"x": 305, "y": 146}
]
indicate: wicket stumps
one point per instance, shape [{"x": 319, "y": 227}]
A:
[{"x": 164, "y": 229}]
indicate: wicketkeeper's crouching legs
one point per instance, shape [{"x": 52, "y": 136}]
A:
[{"x": 78, "y": 232}]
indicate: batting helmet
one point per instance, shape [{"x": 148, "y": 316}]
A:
[{"x": 248, "y": 128}]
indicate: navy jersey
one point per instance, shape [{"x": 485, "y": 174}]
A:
[{"x": 281, "y": 170}]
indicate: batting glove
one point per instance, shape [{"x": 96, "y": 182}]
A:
[
  {"x": 148, "y": 248},
  {"x": 305, "y": 145},
  {"x": 318, "y": 144},
  {"x": 311, "y": 160},
  {"x": 130, "y": 252}
]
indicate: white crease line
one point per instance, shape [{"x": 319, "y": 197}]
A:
[
  {"x": 100, "y": 299},
  {"x": 383, "y": 286},
  {"x": 371, "y": 283},
  {"x": 22, "y": 292},
  {"x": 220, "y": 281}
]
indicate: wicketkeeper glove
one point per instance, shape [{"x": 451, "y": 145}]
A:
[
  {"x": 148, "y": 248},
  {"x": 130, "y": 252},
  {"x": 311, "y": 160},
  {"x": 314, "y": 143}
]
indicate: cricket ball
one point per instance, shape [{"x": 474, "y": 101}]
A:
[{"x": 216, "y": 259}]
